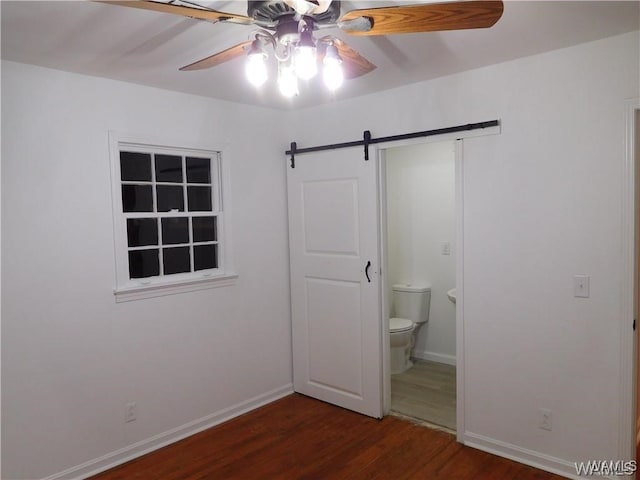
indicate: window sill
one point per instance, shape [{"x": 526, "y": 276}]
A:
[{"x": 127, "y": 294}]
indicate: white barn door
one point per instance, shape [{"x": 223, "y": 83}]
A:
[{"x": 335, "y": 278}]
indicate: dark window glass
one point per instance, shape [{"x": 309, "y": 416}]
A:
[
  {"x": 176, "y": 260},
  {"x": 137, "y": 198},
  {"x": 170, "y": 197},
  {"x": 205, "y": 256},
  {"x": 175, "y": 230},
  {"x": 144, "y": 263},
  {"x": 142, "y": 231},
  {"x": 204, "y": 229},
  {"x": 168, "y": 168},
  {"x": 199, "y": 199},
  {"x": 135, "y": 167},
  {"x": 198, "y": 170}
]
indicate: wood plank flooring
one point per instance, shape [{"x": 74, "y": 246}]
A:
[
  {"x": 301, "y": 438},
  {"x": 427, "y": 392}
]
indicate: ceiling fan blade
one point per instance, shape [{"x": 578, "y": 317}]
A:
[
  {"x": 218, "y": 58},
  {"x": 197, "y": 13},
  {"x": 428, "y": 17},
  {"x": 354, "y": 65}
]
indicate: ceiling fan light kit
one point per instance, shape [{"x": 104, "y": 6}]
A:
[
  {"x": 287, "y": 26},
  {"x": 296, "y": 53}
]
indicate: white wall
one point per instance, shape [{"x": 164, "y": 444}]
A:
[
  {"x": 420, "y": 218},
  {"x": 71, "y": 356},
  {"x": 542, "y": 202}
]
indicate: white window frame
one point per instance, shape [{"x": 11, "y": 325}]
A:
[{"x": 127, "y": 289}]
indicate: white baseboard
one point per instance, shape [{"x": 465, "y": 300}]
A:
[
  {"x": 113, "y": 459},
  {"x": 521, "y": 455},
  {"x": 434, "y": 357}
]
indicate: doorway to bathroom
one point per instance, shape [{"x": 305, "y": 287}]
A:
[{"x": 419, "y": 207}]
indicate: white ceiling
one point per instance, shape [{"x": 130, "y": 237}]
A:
[{"x": 148, "y": 47}]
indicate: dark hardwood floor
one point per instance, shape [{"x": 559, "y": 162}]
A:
[{"x": 301, "y": 438}]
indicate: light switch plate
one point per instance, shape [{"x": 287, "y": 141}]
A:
[{"x": 581, "y": 286}]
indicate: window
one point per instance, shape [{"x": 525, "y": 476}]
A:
[{"x": 169, "y": 220}]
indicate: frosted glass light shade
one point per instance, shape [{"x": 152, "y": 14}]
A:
[
  {"x": 256, "y": 69},
  {"x": 305, "y": 62},
  {"x": 287, "y": 81},
  {"x": 332, "y": 73}
]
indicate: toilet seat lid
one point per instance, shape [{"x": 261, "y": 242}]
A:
[{"x": 400, "y": 325}]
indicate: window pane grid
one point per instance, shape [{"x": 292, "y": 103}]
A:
[
  {"x": 185, "y": 201},
  {"x": 147, "y": 247},
  {"x": 190, "y": 230},
  {"x": 155, "y": 209},
  {"x": 176, "y": 249},
  {"x": 153, "y": 185}
]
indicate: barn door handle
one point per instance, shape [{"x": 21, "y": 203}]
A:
[{"x": 366, "y": 270}]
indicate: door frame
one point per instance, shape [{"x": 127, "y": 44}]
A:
[
  {"x": 458, "y": 137},
  {"x": 629, "y": 293},
  {"x": 385, "y": 283}
]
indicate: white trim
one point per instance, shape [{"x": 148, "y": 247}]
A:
[
  {"x": 157, "y": 290},
  {"x": 435, "y": 357},
  {"x": 123, "y": 455},
  {"x": 224, "y": 275},
  {"x": 384, "y": 283},
  {"x": 628, "y": 363},
  {"x": 459, "y": 246},
  {"x": 519, "y": 454}
]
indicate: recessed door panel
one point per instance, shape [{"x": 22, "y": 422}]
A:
[
  {"x": 331, "y": 216},
  {"x": 332, "y": 305}
]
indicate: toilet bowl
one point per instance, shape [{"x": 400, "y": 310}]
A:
[
  {"x": 410, "y": 308},
  {"x": 401, "y": 335}
]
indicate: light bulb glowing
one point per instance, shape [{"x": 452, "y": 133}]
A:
[
  {"x": 332, "y": 73},
  {"x": 287, "y": 81},
  {"x": 305, "y": 62},
  {"x": 256, "y": 69}
]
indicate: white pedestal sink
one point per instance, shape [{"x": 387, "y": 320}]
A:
[{"x": 451, "y": 295}]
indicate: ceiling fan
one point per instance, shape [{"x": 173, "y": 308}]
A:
[{"x": 286, "y": 27}]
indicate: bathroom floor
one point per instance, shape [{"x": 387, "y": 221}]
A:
[{"x": 427, "y": 392}]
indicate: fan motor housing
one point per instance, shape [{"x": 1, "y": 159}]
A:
[{"x": 268, "y": 12}]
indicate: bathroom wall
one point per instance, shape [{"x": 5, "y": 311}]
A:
[{"x": 420, "y": 221}]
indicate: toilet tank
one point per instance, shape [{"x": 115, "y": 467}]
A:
[{"x": 412, "y": 302}]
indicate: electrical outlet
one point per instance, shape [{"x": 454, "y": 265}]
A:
[
  {"x": 130, "y": 412},
  {"x": 544, "y": 419}
]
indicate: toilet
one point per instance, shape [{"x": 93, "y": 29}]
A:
[{"x": 410, "y": 310}]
